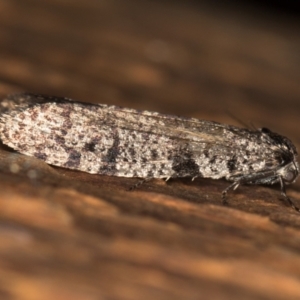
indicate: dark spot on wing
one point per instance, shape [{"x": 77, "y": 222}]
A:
[
  {"x": 213, "y": 159},
  {"x": 90, "y": 146},
  {"x": 206, "y": 153},
  {"x": 150, "y": 174},
  {"x": 185, "y": 166},
  {"x": 73, "y": 159},
  {"x": 63, "y": 132},
  {"x": 60, "y": 140},
  {"x": 132, "y": 152},
  {"x": 231, "y": 164},
  {"x": 154, "y": 154}
]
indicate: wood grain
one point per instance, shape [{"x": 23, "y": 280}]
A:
[{"x": 71, "y": 235}]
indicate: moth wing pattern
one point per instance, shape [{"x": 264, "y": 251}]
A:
[
  {"x": 94, "y": 138},
  {"x": 125, "y": 142},
  {"x": 110, "y": 140}
]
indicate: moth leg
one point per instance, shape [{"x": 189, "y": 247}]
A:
[
  {"x": 286, "y": 197},
  {"x": 233, "y": 186},
  {"x": 193, "y": 178},
  {"x": 167, "y": 179},
  {"x": 139, "y": 183}
]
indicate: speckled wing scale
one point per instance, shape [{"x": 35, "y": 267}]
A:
[{"x": 110, "y": 140}]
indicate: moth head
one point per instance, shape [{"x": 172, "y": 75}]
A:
[
  {"x": 286, "y": 155},
  {"x": 289, "y": 172}
]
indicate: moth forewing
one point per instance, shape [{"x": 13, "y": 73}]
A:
[{"x": 110, "y": 140}]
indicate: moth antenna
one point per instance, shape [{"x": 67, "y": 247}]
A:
[
  {"x": 238, "y": 120},
  {"x": 253, "y": 126}
]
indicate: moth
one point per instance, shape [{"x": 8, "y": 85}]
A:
[{"x": 115, "y": 141}]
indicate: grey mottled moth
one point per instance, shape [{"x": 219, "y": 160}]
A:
[{"x": 116, "y": 141}]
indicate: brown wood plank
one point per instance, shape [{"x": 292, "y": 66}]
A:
[{"x": 71, "y": 235}]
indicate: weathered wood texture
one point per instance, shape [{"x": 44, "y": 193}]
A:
[{"x": 71, "y": 235}]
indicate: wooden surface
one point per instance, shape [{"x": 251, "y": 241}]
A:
[{"x": 71, "y": 235}]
